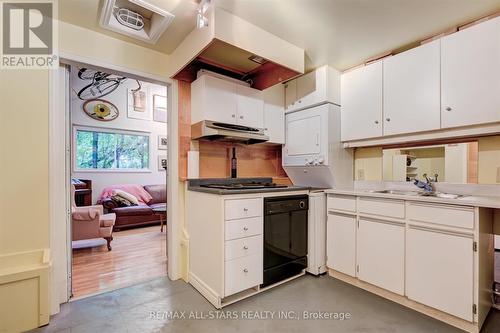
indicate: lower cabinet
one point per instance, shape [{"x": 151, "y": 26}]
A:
[
  {"x": 341, "y": 245},
  {"x": 243, "y": 273},
  {"x": 439, "y": 270},
  {"x": 381, "y": 254}
]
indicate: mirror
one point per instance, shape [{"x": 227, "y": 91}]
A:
[{"x": 451, "y": 163}]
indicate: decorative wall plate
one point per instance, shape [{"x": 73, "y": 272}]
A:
[{"x": 100, "y": 109}]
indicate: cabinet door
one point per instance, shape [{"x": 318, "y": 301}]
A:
[
  {"x": 303, "y": 135},
  {"x": 219, "y": 100},
  {"x": 250, "y": 107},
  {"x": 274, "y": 113},
  {"x": 439, "y": 271},
  {"x": 411, "y": 90},
  {"x": 307, "y": 94},
  {"x": 361, "y": 98},
  {"x": 381, "y": 254},
  {"x": 341, "y": 243},
  {"x": 470, "y": 75},
  {"x": 290, "y": 94}
]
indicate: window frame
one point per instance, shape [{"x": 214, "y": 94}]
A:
[{"x": 77, "y": 128}]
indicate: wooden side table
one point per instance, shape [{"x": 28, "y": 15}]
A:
[{"x": 161, "y": 212}]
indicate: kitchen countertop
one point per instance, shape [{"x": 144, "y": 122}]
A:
[
  {"x": 466, "y": 200},
  {"x": 194, "y": 185},
  {"x": 220, "y": 191}
]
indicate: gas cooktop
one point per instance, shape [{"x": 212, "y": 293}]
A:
[{"x": 244, "y": 186}]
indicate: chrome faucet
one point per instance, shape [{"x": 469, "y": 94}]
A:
[{"x": 427, "y": 185}]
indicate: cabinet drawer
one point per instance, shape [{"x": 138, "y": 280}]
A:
[
  {"x": 382, "y": 207},
  {"x": 243, "y": 228},
  {"x": 243, "y": 273},
  {"x": 453, "y": 216},
  {"x": 243, "y": 208},
  {"x": 243, "y": 247},
  {"x": 341, "y": 202}
]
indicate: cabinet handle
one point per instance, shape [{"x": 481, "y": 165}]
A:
[
  {"x": 241, "y": 117},
  {"x": 266, "y": 129},
  {"x": 245, "y": 270},
  {"x": 245, "y": 228},
  {"x": 447, "y": 108},
  {"x": 233, "y": 115},
  {"x": 300, "y": 101},
  {"x": 376, "y": 121},
  {"x": 245, "y": 247},
  {"x": 317, "y": 139},
  {"x": 388, "y": 119},
  {"x": 245, "y": 209}
]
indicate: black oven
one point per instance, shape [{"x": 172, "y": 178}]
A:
[{"x": 285, "y": 237}]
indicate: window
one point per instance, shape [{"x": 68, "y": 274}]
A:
[{"x": 99, "y": 150}]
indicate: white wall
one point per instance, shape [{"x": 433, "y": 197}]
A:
[{"x": 153, "y": 128}]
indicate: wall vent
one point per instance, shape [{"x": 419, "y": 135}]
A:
[{"x": 135, "y": 18}]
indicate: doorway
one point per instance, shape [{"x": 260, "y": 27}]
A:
[{"x": 117, "y": 161}]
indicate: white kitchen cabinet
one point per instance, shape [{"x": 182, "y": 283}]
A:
[
  {"x": 290, "y": 94},
  {"x": 341, "y": 243},
  {"x": 213, "y": 98},
  {"x": 440, "y": 270},
  {"x": 227, "y": 101},
  {"x": 411, "y": 90},
  {"x": 319, "y": 86},
  {"x": 250, "y": 107},
  {"x": 361, "y": 97},
  {"x": 470, "y": 75},
  {"x": 274, "y": 113},
  {"x": 381, "y": 254}
]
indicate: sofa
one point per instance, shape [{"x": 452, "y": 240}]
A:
[{"x": 140, "y": 215}]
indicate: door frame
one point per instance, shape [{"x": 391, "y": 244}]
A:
[{"x": 59, "y": 176}]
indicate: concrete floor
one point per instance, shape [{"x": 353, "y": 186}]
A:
[{"x": 141, "y": 308}]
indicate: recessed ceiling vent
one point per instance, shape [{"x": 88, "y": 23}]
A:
[{"x": 135, "y": 18}]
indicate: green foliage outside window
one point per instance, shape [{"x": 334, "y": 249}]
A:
[{"x": 102, "y": 150}]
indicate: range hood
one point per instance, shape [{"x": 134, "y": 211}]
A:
[{"x": 217, "y": 131}]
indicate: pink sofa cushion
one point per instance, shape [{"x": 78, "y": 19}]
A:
[{"x": 136, "y": 190}]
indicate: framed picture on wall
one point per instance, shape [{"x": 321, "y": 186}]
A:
[
  {"x": 160, "y": 108},
  {"x": 162, "y": 162},
  {"x": 137, "y": 104},
  {"x": 162, "y": 142}
]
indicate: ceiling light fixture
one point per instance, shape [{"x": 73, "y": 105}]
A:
[{"x": 201, "y": 19}]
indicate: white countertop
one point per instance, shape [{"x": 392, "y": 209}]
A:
[{"x": 466, "y": 200}]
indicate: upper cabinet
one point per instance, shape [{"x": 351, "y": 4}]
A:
[
  {"x": 470, "y": 75},
  {"x": 314, "y": 88},
  {"x": 449, "y": 82},
  {"x": 274, "y": 113},
  {"x": 207, "y": 92},
  {"x": 411, "y": 90},
  {"x": 362, "y": 102},
  {"x": 224, "y": 100},
  {"x": 250, "y": 106}
]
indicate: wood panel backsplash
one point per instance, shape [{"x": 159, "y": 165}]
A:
[{"x": 259, "y": 160}]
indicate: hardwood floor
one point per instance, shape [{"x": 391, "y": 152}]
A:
[{"x": 138, "y": 255}]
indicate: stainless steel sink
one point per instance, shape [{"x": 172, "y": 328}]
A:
[
  {"x": 397, "y": 192},
  {"x": 420, "y": 193},
  {"x": 442, "y": 195}
]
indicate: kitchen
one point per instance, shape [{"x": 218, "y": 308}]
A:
[
  {"x": 381, "y": 234},
  {"x": 349, "y": 181}
]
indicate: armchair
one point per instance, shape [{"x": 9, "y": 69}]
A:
[{"x": 90, "y": 222}]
